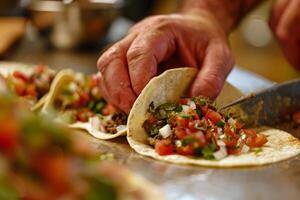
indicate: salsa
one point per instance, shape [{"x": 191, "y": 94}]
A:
[
  {"x": 40, "y": 160},
  {"x": 35, "y": 85},
  {"x": 193, "y": 127},
  {"x": 83, "y": 101}
]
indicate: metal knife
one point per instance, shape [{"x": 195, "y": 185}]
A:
[{"x": 271, "y": 107}]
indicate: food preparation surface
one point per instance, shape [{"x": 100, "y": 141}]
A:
[{"x": 275, "y": 181}]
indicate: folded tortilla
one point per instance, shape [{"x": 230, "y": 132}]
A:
[
  {"x": 170, "y": 86},
  {"x": 64, "y": 77},
  {"x": 7, "y": 68}
]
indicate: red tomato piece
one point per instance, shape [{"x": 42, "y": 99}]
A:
[
  {"x": 183, "y": 101},
  {"x": 229, "y": 132},
  {"x": 260, "y": 140},
  {"x": 214, "y": 116},
  {"x": 108, "y": 109},
  {"x": 84, "y": 98},
  {"x": 249, "y": 132},
  {"x": 39, "y": 69},
  {"x": 84, "y": 115},
  {"x": 31, "y": 90},
  {"x": 8, "y": 135},
  {"x": 201, "y": 140},
  {"x": 230, "y": 141},
  {"x": 234, "y": 151},
  {"x": 238, "y": 124},
  {"x": 93, "y": 81},
  {"x": 180, "y": 133},
  {"x": 20, "y": 75},
  {"x": 204, "y": 109},
  {"x": 192, "y": 124},
  {"x": 19, "y": 86},
  {"x": 186, "y": 150},
  {"x": 164, "y": 147},
  {"x": 182, "y": 122}
]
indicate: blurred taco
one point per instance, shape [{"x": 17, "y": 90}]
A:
[
  {"x": 31, "y": 82},
  {"x": 40, "y": 160},
  {"x": 166, "y": 126},
  {"x": 77, "y": 101}
]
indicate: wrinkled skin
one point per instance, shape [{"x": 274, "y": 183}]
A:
[
  {"x": 285, "y": 23},
  {"x": 161, "y": 42},
  {"x": 195, "y": 40}
]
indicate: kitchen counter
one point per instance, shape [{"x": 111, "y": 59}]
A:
[{"x": 275, "y": 181}]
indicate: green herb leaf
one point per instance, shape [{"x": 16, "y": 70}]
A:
[{"x": 221, "y": 124}]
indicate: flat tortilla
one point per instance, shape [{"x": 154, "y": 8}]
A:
[
  {"x": 169, "y": 87},
  {"x": 64, "y": 77},
  {"x": 7, "y": 68}
]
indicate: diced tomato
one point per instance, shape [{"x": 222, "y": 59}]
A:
[
  {"x": 93, "y": 81},
  {"x": 230, "y": 141},
  {"x": 186, "y": 150},
  {"x": 84, "y": 98},
  {"x": 164, "y": 147},
  {"x": 249, "y": 132},
  {"x": 238, "y": 124},
  {"x": 152, "y": 119},
  {"x": 180, "y": 133},
  {"x": 31, "y": 90},
  {"x": 192, "y": 124},
  {"x": 182, "y": 122},
  {"x": 234, "y": 151},
  {"x": 20, "y": 75},
  {"x": 214, "y": 116},
  {"x": 260, "y": 140},
  {"x": 200, "y": 137},
  {"x": 183, "y": 101},
  {"x": 39, "y": 69},
  {"x": 19, "y": 86},
  {"x": 296, "y": 117},
  {"x": 108, "y": 109},
  {"x": 204, "y": 109},
  {"x": 229, "y": 132},
  {"x": 84, "y": 115},
  {"x": 195, "y": 115},
  {"x": 8, "y": 135}
]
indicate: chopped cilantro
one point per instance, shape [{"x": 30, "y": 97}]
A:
[
  {"x": 221, "y": 124},
  {"x": 207, "y": 152},
  {"x": 188, "y": 140}
]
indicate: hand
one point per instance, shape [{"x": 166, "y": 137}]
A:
[
  {"x": 162, "y": 42},
  {"x": 285, "y": 23}
]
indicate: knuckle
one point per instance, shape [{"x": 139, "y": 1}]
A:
[{"x": 115, "y": 52}]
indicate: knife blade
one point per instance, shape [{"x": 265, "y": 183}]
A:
[{"x": 271, "y": 107}]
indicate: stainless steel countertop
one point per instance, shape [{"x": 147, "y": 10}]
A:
[{"x": 275, "y": 181}]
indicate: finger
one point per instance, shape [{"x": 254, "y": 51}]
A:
[
  {"x": 143, "y": 56},
  {"x": 114, "y": 79},
  {"x": 217, "y": 64},
  {"x": 276, "y": 13},
  {"x": 289, "y": 21}
]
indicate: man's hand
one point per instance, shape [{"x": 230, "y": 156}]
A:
[
  {"x": 166, "y": 41},
  {"x": 285, "y": 23}
]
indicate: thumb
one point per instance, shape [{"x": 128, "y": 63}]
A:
[{"x": 217, "y": 64}]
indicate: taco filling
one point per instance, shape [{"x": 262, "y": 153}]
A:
[
  {"x": 193, "y": 127},
  {"x": 81, "y": 101},
  {"x": 33, "y": 86}
]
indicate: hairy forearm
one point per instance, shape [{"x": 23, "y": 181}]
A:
[{"x": 227, "y": 12}]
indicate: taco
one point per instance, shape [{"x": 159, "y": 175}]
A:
[
  {"x": 31, "y": 82},
  {"x": 43, "y": 160},
  {"x": 77, "y": 101},
  {"x": 164, "y": 126}
]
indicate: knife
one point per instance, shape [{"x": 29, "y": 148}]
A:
[{"x": 272, "y": 107}]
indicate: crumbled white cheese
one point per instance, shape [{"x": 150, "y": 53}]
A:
[
  {"x": 220, "y": 131},
  {"x": 185, "y": 108},
  {"x": 245, "y": 149},
  {"x": 121, "y": 128}
]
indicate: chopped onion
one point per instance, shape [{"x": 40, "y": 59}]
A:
[
  {"x": 245, "y": 149},
  {"x": 72, "y": 87},
  {"x": 165, "y": 131},
  {"x": 192, "y": 104},
  {"x": 221, "y": 143},
  {"x": 221, "y": 153},
  {"x": 220, "y": 131},
  {"x": 185, "y": 108},
  {"x": 231, "y": 122},
  {"x": 121, "y": 128}
]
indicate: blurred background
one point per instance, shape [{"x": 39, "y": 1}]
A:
[{"x": 73, "y": 33}]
